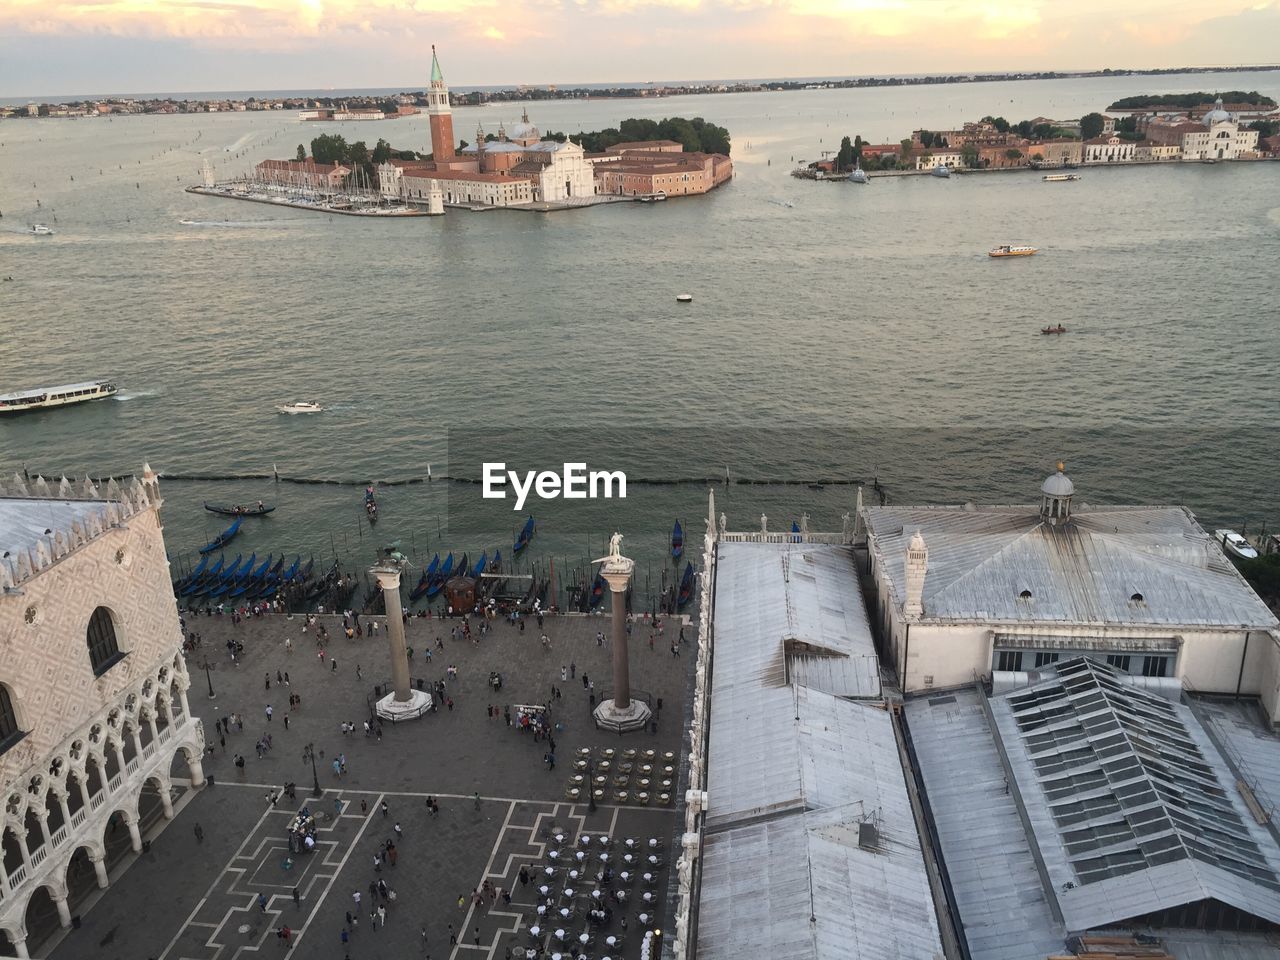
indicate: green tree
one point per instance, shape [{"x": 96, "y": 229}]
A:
[
  {"x": 358, "y": 152},
  {"x": 1012, "y": 154},
  {"x": 844, "y": 159},
  {"x": 302, "y": 152},
  {"x": 1024, "y": 129},
  {"x": 926, "y": 139},
  {"x": 329, "y": 148},
  {"x": 1265, "y": 128},
  {"x": 1127, "y": 125},
  {"x": 969, "y": 153},
  {"x": 1000, "y": 123},
  {"x": 1042, "y": 131},
  {"x": 904, "y": 155},
  {"x": 381, "y": 152},
  {"x": 1091, "y": 125}
]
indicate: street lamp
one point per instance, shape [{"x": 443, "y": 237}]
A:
[
  {"x": 315, "y": 777},
  {"x": 209, "y": 678}
]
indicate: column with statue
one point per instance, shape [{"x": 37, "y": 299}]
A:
[
  {"x": 620, "y": 712},
  {"x": 401, "y": 702}
]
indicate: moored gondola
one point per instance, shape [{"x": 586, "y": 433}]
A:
[
  {"x": 223, "y": 538},
  {"x": 258, "y": 510},
  {"x": 424, "y": 581},
  {"x": 480, "y": 564},
  {"x": 677, "y": 541},
  {"x": 685, "y": 592},
  {"x": 495, "y": 565},
  {"x": 525, "y": 535},
  {"x": 437, "y": 584}
]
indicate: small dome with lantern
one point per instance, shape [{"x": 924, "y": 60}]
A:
[
  {"x": 1217, "y": 114},
  {"x": 1055, "y": 497}
]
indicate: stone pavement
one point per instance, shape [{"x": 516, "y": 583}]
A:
[{"x": 186, "y": 899}]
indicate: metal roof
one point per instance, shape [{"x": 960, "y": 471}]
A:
[
  {"x": 23, "y": 521},
  {"x": 810, "y": 849},
  {"x": 1132, "y": 807},
  {"x": 1110, "y": 565},
  {"x": 1001, "y": 901}
]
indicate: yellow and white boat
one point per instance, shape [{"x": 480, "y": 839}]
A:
[{"x": 1010, "y": 250}]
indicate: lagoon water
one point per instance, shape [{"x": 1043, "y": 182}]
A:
[{"x": 837, "y": 332}]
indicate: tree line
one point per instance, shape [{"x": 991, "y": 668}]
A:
[
  {"x": 693, "y": 134},
  {"x": 1188, "y": 101}
]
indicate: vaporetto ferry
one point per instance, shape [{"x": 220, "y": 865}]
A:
[{"x": 62, "y": 396}]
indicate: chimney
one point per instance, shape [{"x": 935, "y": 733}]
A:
[{"x": 917, "y": 565}]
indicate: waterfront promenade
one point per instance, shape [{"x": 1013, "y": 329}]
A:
[{"x": 190, "y": 898}]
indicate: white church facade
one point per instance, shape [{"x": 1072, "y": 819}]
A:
[{"x": 96, "y": 734}]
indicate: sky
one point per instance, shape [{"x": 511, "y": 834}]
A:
[{"x": 69, "y": 47}]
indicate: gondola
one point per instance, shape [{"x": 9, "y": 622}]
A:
[
  {"x": 480, "y": 565},
  {"x": 441, "y": 576},
  {"x": 274, "y": 573},
  {"x": 261, "y": 573},
  {"x": 495, "y": 565},
  {"x": 223, "y": 538},
  {"x": 425, "y": 580},
  {"x": 462, "y": 569},
  {"x": 289, "y": 574},
  {"x": 685, "y": 593},
  {"x": 303, "y": 575},
  {"x": 237, "y": 511},
  {"x": 231, "y": 572},
  {"x": 677, "y": 541},
  {"x": 370, "y": 505},
  {"x": 198, "y": 572},
  {"x": 597, "y": 590},
  {"x": 526, "y": 534}
]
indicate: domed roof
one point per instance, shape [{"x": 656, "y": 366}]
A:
[
  {"x": 1058, "y": 485},
  {"x": 1217, "y": 114},
  {"x": 523, "y": 131}
]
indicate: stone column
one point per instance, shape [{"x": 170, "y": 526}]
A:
[
  {"x": 135, "y": 835},
  {"x": 620, "y": 713},
  {"x": 196, "y": 768},
  {"x": 119, "y": 751},
  {"x": 66, "y": 810},
  {"x": 20, "y": 948},
  {"x": 82, "y": 782},
  {"x": 64, "y": 912},
  {"x": 100, "y": 868},
  {"x": 182, "y": 697},
  {"x": 388, "y": 578},
  {"x": 166, "y": 801},
  {"x": 43, "y": 818},
  {"x": 618, "y": 580}
]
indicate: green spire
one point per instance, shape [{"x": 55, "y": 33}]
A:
[{"x": 436, "y": 75}]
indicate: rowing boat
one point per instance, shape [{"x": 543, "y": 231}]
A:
[
  {"x": 222, "y": 538},
  {"x": 261, "y": 510}
]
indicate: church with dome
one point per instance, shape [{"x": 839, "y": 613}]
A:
[
  {"x": 1218, "y": 135},
  {"x": 515, "y": 169},
  {"x": 964, "y": 591}
]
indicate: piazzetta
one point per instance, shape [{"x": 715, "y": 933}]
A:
[{"x": 574, "y": 482}]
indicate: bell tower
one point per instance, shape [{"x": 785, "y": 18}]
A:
[{"x": 440, "y": 116}]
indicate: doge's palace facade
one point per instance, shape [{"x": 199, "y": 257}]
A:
[{"x": 93, "y": 691}]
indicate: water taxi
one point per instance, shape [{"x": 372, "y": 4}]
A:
[
  {"x": 41, "y": 230},
  {"x": 1011, "y": 250},
  {"x": 941, "y": 170},
  {"x": 1060, "y": 177},
  {"x": 684, "y": 298},
  {"x": 62, "y": 396},
  {"x": 1234, "y": 543},
  {"x": 302, "y": 406},
  {"x": 857, "y": 174}
]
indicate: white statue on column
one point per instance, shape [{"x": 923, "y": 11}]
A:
[
  {"x": 764, "y": 523},
  {"x": 615, "y": 545}
]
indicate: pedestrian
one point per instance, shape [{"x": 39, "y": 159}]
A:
[
  {"x": 286, "y": 721},
  {"x": 321, "y": 656},
  {"x": 477, "y": 799},
  {"x": 453, "y": 937},
  {"x": 391, "y": 855},
  {"x": 346, "y": 937},
  {"x": 377, "y": 865},
  {"x": 269, "y": 712},
  {"x": 524, "y": 876},
  {"x": 333, "y": 664},
  {"x": 506, "y": 715},
  {"x": 384, "y": 808},
  {"x": 262, "y": 902},
  {"x": 297, "y": 898},
  {"x": 364, "y": 805},
  {"x": 592, "y": 687},
  {"x": 476, "y": 938},
  {"x": 279, "y": 678},
  {"x": 199, "y": 834},
  {"x": 396, "y": 828},
  {"x": 573, "y": 669},
  {"x": 585, "y": 681},
  {"x": 382, "y": 915},
  {"x": 449, "y": 702},
  {"x": 599, "y": 638},
  {"x": 359, "y": 674},
  {"x": 268, "y": 681},
  {"x": 564, "y": 673}
]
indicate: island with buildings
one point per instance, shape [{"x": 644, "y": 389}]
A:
[
  {"x": 1155, "y": 129},
  {"x": 520, "y": 168}
]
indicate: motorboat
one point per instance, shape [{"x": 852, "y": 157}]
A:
[
  {"x": 1235, "y": 544},
  {"x": 302, "y": 406},
  {"x": 61, "y": 396},
  {"x": 1060, "y": 177},
  {"x": 684, "y": 298},
  {"x": 1012, "y": 250},
  {"x": 858, "y": 175},
  {"x": 41, "y": 230},
  {"x": 1048, "y": 330},
  {"x": 941, "y": 170}
]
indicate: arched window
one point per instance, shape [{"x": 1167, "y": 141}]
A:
[
  {"x": 9, "y": 731},
  {"x": 104, "y": 652}
]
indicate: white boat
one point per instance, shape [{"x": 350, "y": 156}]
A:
[
  {"x": 1233, "y": 543},
  {"x": 858, "y": 175},
  {"x": 1013, "y": 250},
  {"x": 1060, "y": 177},
  {"x": 684, "y": 298},
  {"x": 62, "y": 396},
  {"x": 302, "y": 406},
  {"x": 41, "y": 230},
  {"x": 941, "y": 170}
]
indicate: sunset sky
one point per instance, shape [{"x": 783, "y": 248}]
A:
[{"x": 64, "y": 47}]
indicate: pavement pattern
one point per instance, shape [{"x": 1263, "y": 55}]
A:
[{"x": 500, "y": 804}]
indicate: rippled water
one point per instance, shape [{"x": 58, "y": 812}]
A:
[{"x": 859, "y": 332}]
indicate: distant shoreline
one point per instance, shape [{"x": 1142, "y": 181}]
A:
[{"x": 633, "y": 90}]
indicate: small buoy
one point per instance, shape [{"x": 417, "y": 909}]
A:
[{"x": 684, "y": 298}]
